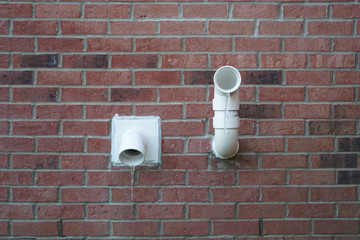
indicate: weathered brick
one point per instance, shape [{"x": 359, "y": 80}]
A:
[
  {"x": 256, "y": 210},
  {"x": 301, "y": 11},
  {"x": 15, "y": 10},
  {"x": 303, "y": 177},
  {"x": 79, "y": 228},
  {"x": 132, "y": 94},
  {"x": 345, "y": 10},
  {"x": 16, "y": 77},
  {"x": 16, "y": 144},
  {"x": 35, "y": 61},
  {"x": 4, "y": 60},
  {"x": 332, "y": 127},
  {"x": 183, "y": 128},
  {"x": 106, "y": 111},
  {"x": 283, "y": 60},
  {"x": 281, "y": 27},
  {"x": 235, "y": 194},
  {"x": 334, "y": 160},
  {"x": 236, "y": 227},
  {"x": 84, "y": 194},
  {"x": 346, "y": 111},
  {"x": 84, "y": 94},
  {"x": 15, "y": 111},
  {"x": 83, "y": 162},
  {"x": 348, "y": 177},
  {"x": 211, "y": 211},
  {"x": 4, "y": 26},
  {"x": 330, "y": 27},
  {"x": 281, "y": 94},
  {"x": 58, "y": 111},
  {"x": 98, "y": 145},
  {"x": 182, "y": 27},
  {"x": 212, "y": 178},
  {"x": 136, "y": 228},
  {"x": 60, "y": 212},
  {"x": 330, "y": 226},
  {"x": 157, "y": 44},
  {"x": 57, "y": 10},
  {"x": 85, "y": 61},
  {"x": 11, "y": 211},
  {"x": 307, "y": 111},
  {"x": 202, "y": 44},
  {"x": 108, "y": 78},
  {"x": 257, "y": 43},
  {"x": 36, "y": 228},
  {"x": 181, "y": 162},
  {"x": 349, "y": 209},
  {"x": 273, "y": 227},
  {"x": 35, "y": 27},
  {"x": 58, "y": 77},
  {"x": 185, "y": 228},
  {"x": 347, "y": 44},
  {"x": 185, "y": 194},
  {"x": 132, "y": 27},
  {"x": 261, "y": 77},
  {"x": 60, "y": 44},
  {"x": 161, "y": 178},
  {"x": 168, "y": 211},
  {"x": 163, "y": 111},
  {"x": 231, "y": 27},
  {"x": 25, "y": 44},
  {"x": 109, "y": 178},
  {"x": 281, "y": 194},
  {"x": 35, "y": 161},
  {"x": 316, "y": 210},
  {"x": 106, "y": 11},
  {"x": 184, "y": 60},
  {"x": 155, "y": 10},
  {"x": 330, "y": 194},
  {"x": 259, "y": 111},
  {"x": 281, "y": 127},
  {"x": 171, "y": 145},
  {"x": 308, "y": 77},
  {"x": 35, "y": 128},
  {"x": 109, "y": 44},
  {"x": 134, "y": 61},
  {"x": 157, "y": 78},
  {"x": 307, "y": 44},
  {"x": 248, "y": 10},
  {"x": 236, "y": 60},
  {"x": 60, "y": 145},
  {"x": 305, "y": 144},
  {"x": 35, "y": 94},
  {"x": 187, "y": 94},
  {"x": 34, "y": 194},
  {"x": 284, "y": 161},
  {"x": 110, "y": 211},
  {"x": 204, "y": 10},
  {"x": 332, "y": 60},
  {"x": 135, "y": 194},
  {"x": 59, "y": 178},
  {"x": 349, "y": 144}
]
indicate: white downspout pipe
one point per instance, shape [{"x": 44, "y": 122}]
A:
[{"x": 226, "y": 122}]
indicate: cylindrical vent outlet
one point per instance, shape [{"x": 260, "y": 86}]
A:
[
  {"x": 227, "y": 79},
  {"x": 132, "y": 148}
]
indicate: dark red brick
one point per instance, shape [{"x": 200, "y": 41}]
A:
[
  {"x": 35, "y": 61},
  {"x": 133, "y": 94},
  {"x": 259, "y": 111},
  {"x": 85, "y": 61},
  {"x": 16, "y": 77}
]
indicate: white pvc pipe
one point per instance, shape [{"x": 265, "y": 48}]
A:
[
  {"x": 227, "y": 80},
  {"x": 132, "y": 148}
]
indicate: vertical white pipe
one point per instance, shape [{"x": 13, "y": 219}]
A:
[
  {"x": 132, "y": 148},
  {"x": 227, "y": 80}
]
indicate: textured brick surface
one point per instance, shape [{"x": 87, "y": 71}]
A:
[{"x": 67, "y": 67}]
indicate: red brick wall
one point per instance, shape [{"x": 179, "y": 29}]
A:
[{"x": 67, "y": 67}]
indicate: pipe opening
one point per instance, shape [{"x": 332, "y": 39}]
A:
[
  {"x": 131, "y": 157},
  {"x": 227, "y": 79}
]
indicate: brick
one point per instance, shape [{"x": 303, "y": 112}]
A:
[
  {"x": 185, "y": 194},
  {"x": 307, "y": 210},
  {"x": 157, "y": 44},
  {"x": 348, "y": 177},
  {"x": 85, "y": 61},
  {"x": 199, "y": 110},
  {"x": 329, "y": 226},
  {"x": 16, "y": 144},
  {"x": 132, "y": 94},
  {"x": 261, "y": 145},
  {"x": 182, "y": 27},
  {"x": 249, "y": 10},
  {"x": 34, "y": 194},
  {"x": 247, "y": 162},
  {"x": 184, "y": 60},
  {"x": 4, "y": 193},
  {"x": 37, "y": 228},
  {"x": 236, "y": 60},
  {"x": 163, "y": 111},
  {"x": 332, "y": 61},
  {"x": 198, "y": 77},
  {"x": 284, "y": 161},
  {"x": 35, "y": 128},
  {"x": 331, "y": 127},
  {"x": 231, "y": 27},
  {"x": 346, "y": 44},
  {"x": 308, "y": 77},
  {"x": 35, "y": 61},
  {"x": 257, "y": 43},
  {"x": 307, "y": 44},
  {"x": 15, "y": 10},
  {"x": 109, "y": 44},
  {"x": 306, "y": 111},
  {"x": 330, "y": 28},
  {"x": 283, "y": 60},
  {"x": 4, "y": 127},
  {"x": 84, "y": 194},
  {"x": 218, "y": 44},
  {"x": 109, "y": 178},
  {"x": 157, "y": 78},
  {"x": 84, "y": 94},
  {"x": 281, "y": 27},
  {"x": 58, "y": 77},
  {"x": 59, "y": 178},
  {"x": 316, "y": 177},
  {"x": 60, "y": 212},
  {"x": 15, "y": 111},
  {"x": 60, "y": 44},
  {"x": 174, "y": 211},
  {"x": 261, "y": 77},
  {"x": 182, "y": 94},
  {"x": 281, "y": 94},
  {"x": 211, "y": 211},
  {"x": 60, "y": 145},
  {"x": 83, "y": 162},
  {"x": 234, "y": 227},
  {"x": 57, "y": 10},
  {"x": 204, "y": 10},
  {"x": 4, "y": 26},
  {"x": 98, "y": 145},
  {"x": 319, "y": 144},
  {"x": 273, "y": 227},
  {"x": 134, "y": 61},
  {"x": 183, "y": 128},
  {"x": 16, "y": 211},
  {"x": 4, "y": 60},
  {"x": 139, "y": 194},
  {"x": 36, "y": 27},
  {"x": 107, "y": 111},
  {"x": 301, "y": 11},
  {"x": 212, "y": 178},
  {"x": 4, "y": 228},
  {"x": 259, "y": 111},
  {"x": 35, "y": 94},
  {"x": 171, "y": 145},
  {"x": 346, "y": 111},
  {"x": 155, "y": 10},
  {"x": 58, "y": 111},
  {"x": 334, "y": 160},
  {"x": 135, "y": 228},
  {"x": 186, "y": 228},
  {"x": 284, "y": 194},
  {"x": 87, "y": 228},
  {"x": 263, "y": 177},
  {"x": 161, "y": 178},
  {"x": 349, "y": 144},
  {"x": 108, "y": 78},
  {"x": 330, "y": 194},
  {"x": 132, "y": 27},
  {"x": 261, "y": 210},
  {"x": 331, "y": 94},
  {"x": 83, "y": 27},
  {"x": 110, "y": 211},
  {"x": 35, "y": 161},
  {"x": 349, "y": 209},
  {"x": 347, "y": 77},
  {"x": 345, "y": 10},
  {"x": 106, "y": 11},
  {"x": 16, "y": 77},
  {"x": 85, "y": 128},
  {"x": 16, "y": 44},
  {"x": 281, "y": 127},
  {"x": 184, "y": 162}
]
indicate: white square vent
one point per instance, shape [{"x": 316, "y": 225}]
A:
[{"x": 136, "y": 141}]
